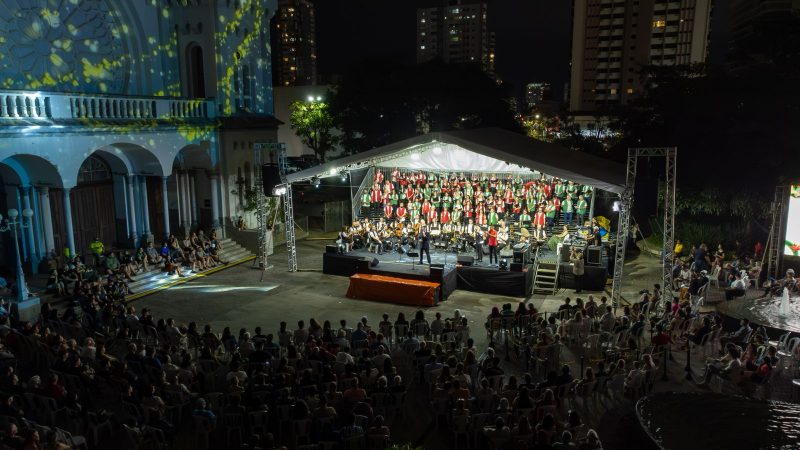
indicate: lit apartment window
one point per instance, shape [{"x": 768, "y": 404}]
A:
[
  {"x": 422, "y": 20},
  {"x": 630, "y": 91},
  {"x": 659, "y": 23},
  {"x": 422, "y": 47},
  {"x": 613, "y": 92}
]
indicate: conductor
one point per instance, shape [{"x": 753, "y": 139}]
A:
[{"x": 425, "y": 246}]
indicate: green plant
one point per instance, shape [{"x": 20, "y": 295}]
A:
[{"x": 250, "y": 205}]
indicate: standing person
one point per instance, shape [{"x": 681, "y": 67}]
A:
[
  {"x": 97, "y": 249},
  {"x": 568, "y": 210},
  {"x": 425, "y": 244},
  {"x": 492, "y": 241},
  {"x": 478, "y": 244},
  {"x": 580, "y": 210},
  {"x": 576, "y": 258},
  {"x": 365, "y": 203}
]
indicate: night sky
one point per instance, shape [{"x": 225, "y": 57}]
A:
[{"x": 532, "y": 37}]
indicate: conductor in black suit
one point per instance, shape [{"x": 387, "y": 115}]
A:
[{"x": 425, "y": 246}]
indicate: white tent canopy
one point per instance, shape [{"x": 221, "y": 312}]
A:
[{"x": 489, "y": 150}]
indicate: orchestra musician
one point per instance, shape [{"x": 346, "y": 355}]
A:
[
  {"x": 424, "y": 242},
  {"x": 344, "y": 242},
  {"x": 375, "y": 242}
]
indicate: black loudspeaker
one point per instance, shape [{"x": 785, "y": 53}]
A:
[
  {"x": 466, "y": 260},
  {"x": 331, "y": 248},
  {"x": 516, "y": 267},
  {"x": 565, "y": 251},
  {"x": 594, "y": 255},
  {"x": 437, "y": 266},
  {"x": 271, "y": 177},
  {"x": 374, "y": 262},
  {"x": 437, "y": 273},
  {"x": 519, "y": 257}
]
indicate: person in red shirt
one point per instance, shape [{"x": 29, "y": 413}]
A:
[
  {"x": 492, "y": 242},
  {"x": 539, "y": 221},
  {"x": 444, "y": 217},
  {"x": 401, "y": 212},
  {"x": 378, "y": 176},
  {"x": 431, "y": 215},
  {"x": 388, "y": 211}
]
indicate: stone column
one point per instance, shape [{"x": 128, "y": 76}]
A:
[
  {"x": 68, "y": 222},
  {"x": 193, "y": 200},
  {"x": 131, "y": 208},
  {"x": 215, "y": 215},
  {"x": 145, "y": 206},
  {"x": 47, "y": 220},
  {"x": 165, "y": 195},
  {"x": 33, "y": 252}
]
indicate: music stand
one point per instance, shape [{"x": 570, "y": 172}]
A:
[{"x": 413, "y": 254}]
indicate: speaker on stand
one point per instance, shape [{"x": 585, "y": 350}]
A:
[{"x": 271, "y": 176}]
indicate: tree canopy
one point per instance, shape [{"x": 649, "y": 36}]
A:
[
  {"x": 313, "y": 123},
  {"x": 377, "y": 103}
]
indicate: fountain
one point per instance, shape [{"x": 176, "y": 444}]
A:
[
  {"x": 779, "y": 312},
  {"x": 784, "y": 309}
]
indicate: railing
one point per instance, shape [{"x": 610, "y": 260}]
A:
[
  {"x": 366, "y": 183},
  {"x": 54, "y": 106}
]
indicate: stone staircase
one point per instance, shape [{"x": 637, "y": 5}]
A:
[{"x": 156, "y": 279}]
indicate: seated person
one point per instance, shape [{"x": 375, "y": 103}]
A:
[
  {"x": 728, "y": 367},
  {"x": 737, "y": 288}
]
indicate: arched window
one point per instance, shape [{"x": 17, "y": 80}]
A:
[
  {"x": 93, "y": 170},
  {"x": 195, "y": 71},
  {"x": 246, "y": 87}
]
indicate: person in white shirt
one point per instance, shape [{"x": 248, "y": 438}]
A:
[
  {"x": 728, "y": 367},
  {"x": 737, "y": 289}
]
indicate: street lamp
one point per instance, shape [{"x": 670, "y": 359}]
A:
[{"x": 11, "y": 225}]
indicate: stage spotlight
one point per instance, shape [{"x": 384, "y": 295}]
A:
[
  {"x": 503, "y": 265},
  {"x": 332, "y": 172},
  {"x": 616, "y": 206},
  {"x": 279, "y": 190},
  {"x": 315, "y": 181},
  {"x": 437, "y": 150},
  {"x": 343, "y": 174}
]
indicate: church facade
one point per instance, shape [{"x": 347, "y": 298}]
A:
[{"x": 130, "y": 120}]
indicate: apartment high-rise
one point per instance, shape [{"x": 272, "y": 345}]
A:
[
  {"x": 746, "y": 14},
  {"x": 294, "y": 47},
  {"x": 456, "y": 32},
  {"x": 612, "y": 40},
  {"x": 536, "y": 93}
]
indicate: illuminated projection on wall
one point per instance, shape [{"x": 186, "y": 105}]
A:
[
  {"x": 61, "y": 44},
  {"x": 83, "y": 46},
  {"x": 792, "y": 242}
]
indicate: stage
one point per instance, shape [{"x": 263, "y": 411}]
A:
[{"x": 480, "y": 277}]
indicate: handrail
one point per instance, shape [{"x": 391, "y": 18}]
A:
[
  {"x": 16, "y": 105},
  {"x": 558, "y": 269},
  {"x": 356, "y": 201}
]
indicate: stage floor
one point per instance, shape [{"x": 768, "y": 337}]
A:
[{"x": 403, "y": 263}]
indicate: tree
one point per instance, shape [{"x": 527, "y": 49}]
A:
[{"x": 313, "y": 123}]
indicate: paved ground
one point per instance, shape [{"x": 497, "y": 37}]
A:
[{"x": 238, "y": 297}]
